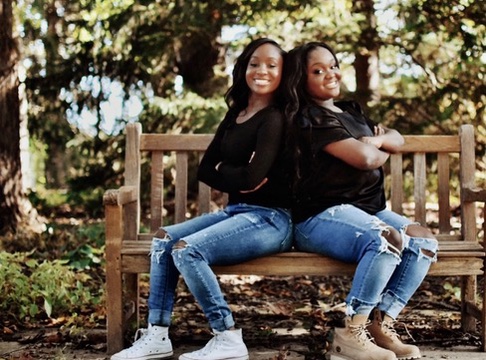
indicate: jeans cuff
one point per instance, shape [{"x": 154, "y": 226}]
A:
[
  {"x": 159, "y": 317},
  {"x": 222, "y": 324}
]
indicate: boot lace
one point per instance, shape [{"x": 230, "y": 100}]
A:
[
  {"x": 360, "y": 332},
  {"x": 389, "y": 329}
]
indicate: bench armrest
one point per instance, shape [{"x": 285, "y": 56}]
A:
[{"x": 119, "y": 197}]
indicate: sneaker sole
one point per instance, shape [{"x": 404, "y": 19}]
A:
[
  {"x": 245, "y": 357},
  {"x": 147, "y": 357},
  {"x": 338, "y": 357}
]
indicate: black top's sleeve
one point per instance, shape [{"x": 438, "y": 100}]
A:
[
  {"x": 245, "y": 152},
  {"x": 207, "y": 172}
]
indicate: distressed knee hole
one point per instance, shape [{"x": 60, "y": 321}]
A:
[
  {"x": 395, "y": 242},
  {"x": 161, "y": 233},
  {"x": 181, "y": 244},
  {"x": 428, "y": 253},
  {"x": 416, "y": 230}
]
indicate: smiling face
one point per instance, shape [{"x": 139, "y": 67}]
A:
[
  {"x": 264, "y": 70},
  {"x": 323, "y": 76}
]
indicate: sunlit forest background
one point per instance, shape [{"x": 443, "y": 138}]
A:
[{"x": 73, "y": 73}]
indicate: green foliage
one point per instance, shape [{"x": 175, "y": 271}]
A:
[
  {"x": 171, "y": 57},
  {"x": 45, "y": 200},
  {"x": 453, "y": 289},
  {"x": 190, "y": 113},
  {"x": 31, "y": 290},
  {"x": 79, "y": 242},
  {"x": 89, "y": 198},
  {"x": 81, "y": 200},
  {"x": 89, "y": 254},
  {"x": 62, "y": 277}
]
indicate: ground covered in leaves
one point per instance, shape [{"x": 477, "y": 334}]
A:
[{"x": 273, "y": 312}]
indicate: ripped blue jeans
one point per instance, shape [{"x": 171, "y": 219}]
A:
[
  {"x": 385, "y": 277},
  {"x": 238, "y": 233}
]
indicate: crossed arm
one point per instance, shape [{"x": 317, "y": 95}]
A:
[{"x": 368, "y": 152}]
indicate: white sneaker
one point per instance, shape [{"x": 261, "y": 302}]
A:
[
  {"x": 226, "y": 345},
  {"x": 153, "y": 344}
]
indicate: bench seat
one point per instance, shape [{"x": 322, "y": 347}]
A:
[{"x": 454, "y": 259}]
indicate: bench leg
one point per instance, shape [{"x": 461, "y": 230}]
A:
[
  {"x": 114, "y": 311},
  {"x": 114, "y": 323},
  {"x": 483, "y": 318},
  {"x": 468, "y": 295}
]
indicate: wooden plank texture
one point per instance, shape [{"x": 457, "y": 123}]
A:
[
  {"x": 396, "y": 178},
  {"x": 114, "y": 287},
  {"x": 169, "y": 142},
  {"x": 142, "y": 247},
  {"x": 300, "y": 264},
  {"x": 419, "y": 185},
  {"x": 431, "y": 143},
  {"x": 156, "y": 190},
  {"x": 181, "y": 186},
  {"x": 443, "y": 187}
]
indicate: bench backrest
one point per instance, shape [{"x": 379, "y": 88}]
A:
[{"x": 423, "y": 157}]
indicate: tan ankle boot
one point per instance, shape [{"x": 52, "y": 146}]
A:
[
  {"x": 354, "y": 343},
  {"x": 386, "y": 337}
]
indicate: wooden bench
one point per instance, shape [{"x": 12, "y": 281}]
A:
[{"x": 127, "y": 247}]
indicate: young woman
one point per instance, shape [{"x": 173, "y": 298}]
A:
[
  {"x": 339, "y": 207},
  {"x": 245, "y": 160}
]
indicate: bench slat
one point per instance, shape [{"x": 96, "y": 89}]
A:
[
  {"x": 175, "y": 142},
  {"x": 156, "y": 190},
  {"x": 143, "y": 247},
  {"x": 181, "y": 186},
  {"x": 311, "y": 264},
  {"x": 443, "y": 238},
  {"x": 396, "y": 195},
  {"x": 204, "y": 195},
  {"x": 419, "y": 184},
  {"x": 431, "y": 143},
  {"x": 443, "y": 192}
]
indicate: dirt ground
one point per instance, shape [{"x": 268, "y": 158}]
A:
[{"x": 295, "y": 350}]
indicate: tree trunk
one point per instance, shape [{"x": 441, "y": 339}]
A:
[
  {"x": 56, "y": 160},
  {"x": 14, "y": 205},
  {"x": 366, "y": 62}
]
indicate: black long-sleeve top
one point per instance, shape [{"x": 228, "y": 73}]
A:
[{"x": 248, "y": 153}]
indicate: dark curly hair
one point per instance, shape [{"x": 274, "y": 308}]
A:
[
  {"x": 296, "y": 97},
  {"x": 238, "y": 94},
  {"x": 295, "y": 77}
]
